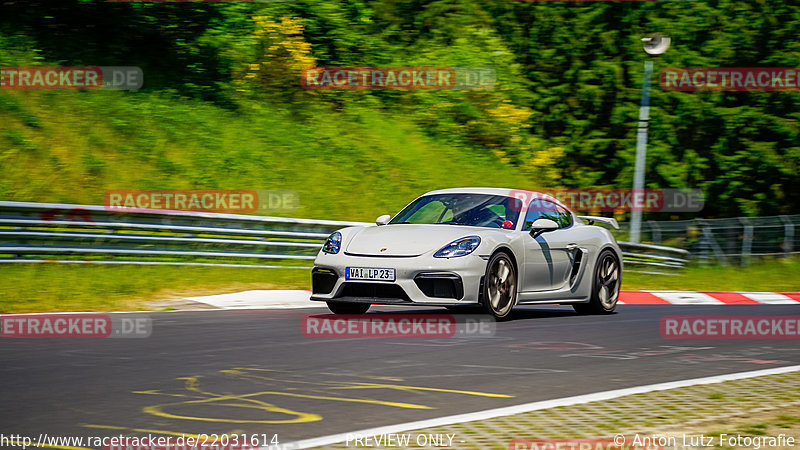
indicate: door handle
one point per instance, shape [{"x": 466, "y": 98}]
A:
[{"x": 572, "y": 246}]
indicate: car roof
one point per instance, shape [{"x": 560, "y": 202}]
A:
[{"x": 519, "y": 193}]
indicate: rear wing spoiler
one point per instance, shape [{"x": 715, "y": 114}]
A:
[{"x": 606, "y": 220}]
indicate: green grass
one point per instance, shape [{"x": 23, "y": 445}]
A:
[
  {"x": 352, "y": 162},
  {"x": 786, "y": 421},
  {"x": 83, "y": 287},
  {"x": 757, "y": 429}
]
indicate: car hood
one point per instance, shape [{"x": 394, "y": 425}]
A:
[{"x": 406, "y": 239}]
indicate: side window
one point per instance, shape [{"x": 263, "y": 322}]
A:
[
  {"x": 500, "y": 210},
  {"x": 564, "y": 217},
  {"x": 447, "y": 216},
  {"x": 429, "y": 213},
  {"x": 539, "y": 209},
  {"x": 543, "y": 209}
]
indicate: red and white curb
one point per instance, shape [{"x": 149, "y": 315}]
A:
[
  {"x": 293, "y": 299},
  {"x": 260, "y": 299},
  {"x": 299, "y": 299},
  {"x": 707, "y": 298}
]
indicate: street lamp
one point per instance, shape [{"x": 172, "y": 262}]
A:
[{"x": 654, "y": 44}]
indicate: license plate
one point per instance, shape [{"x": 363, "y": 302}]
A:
[{"x": 368, "y": 273}]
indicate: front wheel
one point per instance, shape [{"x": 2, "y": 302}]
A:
[
  {"x": 605, "y": 286},
  {"x": 348, "y": 307},
  {"x": 500, "y": 286}
]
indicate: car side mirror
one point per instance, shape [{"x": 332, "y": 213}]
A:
[
  {"x": 383, "y": 220},
  {"x": 542, "y": 225}
]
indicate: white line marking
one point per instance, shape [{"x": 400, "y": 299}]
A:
[
  {"x": 769, "y": 298},
  {"x": 259, "y": 299},
  {"x": 687, "y": 298},
  {"x": 534, "y": 406}
]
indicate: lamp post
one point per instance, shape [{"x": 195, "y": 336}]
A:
[{"x": 654, "y": 44}]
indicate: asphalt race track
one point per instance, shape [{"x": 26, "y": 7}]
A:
[{"x": 253, "y": 371}]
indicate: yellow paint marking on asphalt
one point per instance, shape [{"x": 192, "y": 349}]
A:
[
  {"x": 241, "y": 374},
  {"x": 346, "y": 399},
  {"x": 262, "y": 370},
  {"x": 109, "y": 427},
  {"x": 157, "y": 392},
  {"x": 371, "y": 377},
  {"x": 300, "y": 417},
  {"x": 248, "y": 376},
  {"x": 363, "y": 385},
  {"x": 193, "y": 384},
  {"x": 247, "y": 400},
  {"x": 326, "y": 373},
  {"x": 357, "y": 385},
  {"x": 332, "y": 385}
]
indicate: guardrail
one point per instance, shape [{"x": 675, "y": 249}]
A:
[
  {"x": 652, "y": 258},
  {"x": 735, "y": 240},
  {"x": 51, "y": 232},
  {"x": 83, "y": 233}
]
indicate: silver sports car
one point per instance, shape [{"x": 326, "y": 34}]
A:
[{"x": 468, "y": 248}]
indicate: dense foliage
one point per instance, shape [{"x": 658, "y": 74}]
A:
[{"x": 563, "y": 112}]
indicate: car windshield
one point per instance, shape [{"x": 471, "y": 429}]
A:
[{"x": 478, "y": 210}]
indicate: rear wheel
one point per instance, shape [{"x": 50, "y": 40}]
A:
[
  {"x": 500, "y": 286},
  {"x": 605, "y": 286},
  {"x": 348, "y": 307}
]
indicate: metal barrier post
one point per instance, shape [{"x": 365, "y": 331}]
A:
[
  {"x": 747, "y": 241},
  {"x": 655, "y": 231},
  {"x": 788, "y": 238}
]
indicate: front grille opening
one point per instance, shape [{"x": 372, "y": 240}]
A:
[
  {"x": 374, "y": 290},
  {"x": 440, "y": 286},
  {"x": 323, "y": 281}
]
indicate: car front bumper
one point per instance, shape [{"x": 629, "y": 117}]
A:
[{"x": 419, "y": 280}]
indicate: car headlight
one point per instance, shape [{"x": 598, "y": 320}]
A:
[
  {"x": 333, "y": 243},
  {"x": 459, "y": 247}
]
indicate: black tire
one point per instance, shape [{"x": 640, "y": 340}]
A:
[
  {"x": 348, "y": 307},
  {"x": 500, "y": 286},
  {"x": 606, "y": 282}
]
